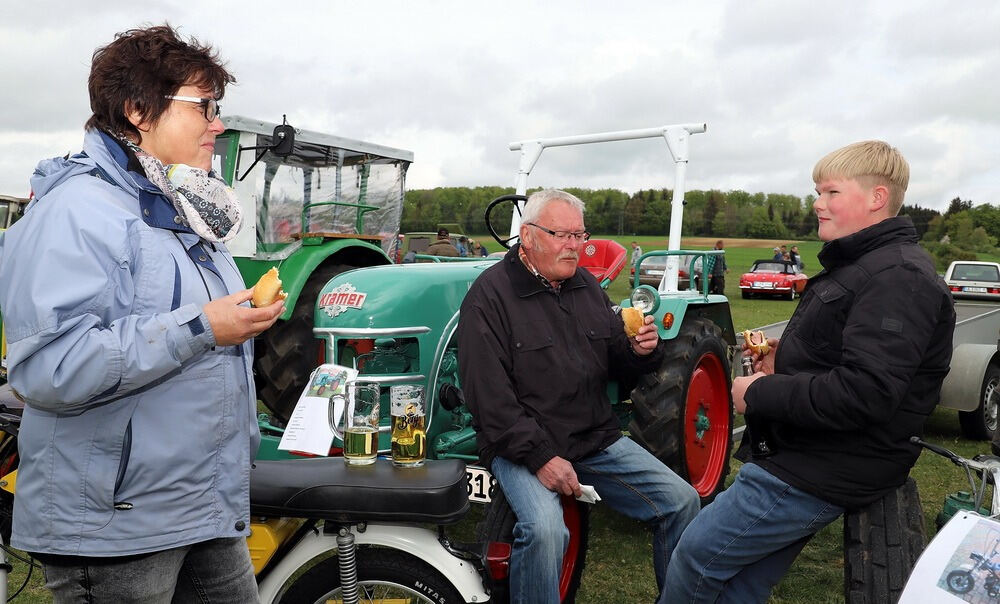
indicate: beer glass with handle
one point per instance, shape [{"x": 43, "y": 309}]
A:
[{"x": 360, "y": 421}]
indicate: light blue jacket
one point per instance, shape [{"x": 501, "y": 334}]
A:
[{"x": 138, "y": 432}]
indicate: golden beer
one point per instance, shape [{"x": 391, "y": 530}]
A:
[
  {"x": 360, "y": 445},
  {"x": 409, "y": 440}
]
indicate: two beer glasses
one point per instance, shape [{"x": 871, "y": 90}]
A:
[{"x": 354, "y": 414}]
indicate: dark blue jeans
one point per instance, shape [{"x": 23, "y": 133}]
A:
[
  {"x": 628, "y": 479},
  {"x": 211, "y": 572},
  {"x": 740, "y": 546}
]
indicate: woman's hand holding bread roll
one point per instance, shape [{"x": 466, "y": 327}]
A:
[{"x": 233, "y": 323}]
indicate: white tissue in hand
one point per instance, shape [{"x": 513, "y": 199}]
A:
[{"x": 588, "y": 494}]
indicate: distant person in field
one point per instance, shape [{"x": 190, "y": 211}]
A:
[
  {"x": 777, "y": 254},
  {"x": 443, "y": 246},
  {"x": 793, "y": 253},
  {"x": 717, "y": 271},
  {"x": 833, "y": 404},
  {"x": 636, "y": 254}
]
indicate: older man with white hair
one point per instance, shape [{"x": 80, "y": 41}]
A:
[{"x": 538, "y": 343}]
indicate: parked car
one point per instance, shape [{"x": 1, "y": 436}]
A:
[
  {"x": 977, "y": 280},
  {"x": 773, "y": 278},
  {"x": 652, "y": 269}
]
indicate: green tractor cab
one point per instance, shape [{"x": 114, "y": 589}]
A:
[{"x": 320, "y": 205}]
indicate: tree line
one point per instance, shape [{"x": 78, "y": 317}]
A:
[
  {"x": 711, "y": 213},
  {"x": 961, "y": 232}
]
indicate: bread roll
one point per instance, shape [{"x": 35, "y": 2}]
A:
[
  {"x": 633, "y": 319},
  {"x": 268, "y": 289}
]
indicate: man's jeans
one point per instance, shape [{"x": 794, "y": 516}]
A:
[
  {"x": 212, "y": 572},
  {"x": 740, "y": 546},
  {"x": 628, "y": 479}
]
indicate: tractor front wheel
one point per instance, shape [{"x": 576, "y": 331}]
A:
[
  {"x": 683, "y": 412},
  {"x": 288, "y": 352}
]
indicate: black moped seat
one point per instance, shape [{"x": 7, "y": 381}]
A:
[{"x": 328, "y": 489}]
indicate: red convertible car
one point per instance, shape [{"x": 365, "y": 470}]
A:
[{"x": 773, "y": 278}]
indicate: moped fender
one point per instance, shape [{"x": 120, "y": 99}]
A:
[{"x": 420, "y": 542}]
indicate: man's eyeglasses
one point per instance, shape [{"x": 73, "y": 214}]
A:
[
  {"x": 577, "y": 236},
  {"x": 211, "y": 106}
]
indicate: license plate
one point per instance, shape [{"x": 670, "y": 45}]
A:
[
  {"x": 978, "y": 290},
  {"x": 479, "y": 484},
  {"x": 655, "y": 272},
  {"x": 764, "y": 285}
]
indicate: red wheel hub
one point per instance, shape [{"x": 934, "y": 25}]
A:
[{"x": 706, "y": 424}]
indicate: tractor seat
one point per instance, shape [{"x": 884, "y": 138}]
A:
[
  {"x": 326, "y": 488},
  {"x": 604, "y": 258}
]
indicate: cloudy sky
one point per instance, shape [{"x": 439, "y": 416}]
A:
[{"x": 779, "y": 83}]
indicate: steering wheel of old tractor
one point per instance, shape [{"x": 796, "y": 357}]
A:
[{"x": 512, "y": 199}]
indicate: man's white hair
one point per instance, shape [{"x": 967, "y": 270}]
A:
[{"x": 540, "y": 199}]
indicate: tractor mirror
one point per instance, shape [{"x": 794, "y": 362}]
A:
[{"x": 283, "y": 140}]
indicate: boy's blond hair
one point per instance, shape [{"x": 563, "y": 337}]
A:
[{"x": 871, "y": 163}]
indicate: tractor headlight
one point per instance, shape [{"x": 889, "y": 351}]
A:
[{"x": 646, "y": 299}]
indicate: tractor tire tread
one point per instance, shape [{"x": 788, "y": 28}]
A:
[{"x": 881, "y": 544}]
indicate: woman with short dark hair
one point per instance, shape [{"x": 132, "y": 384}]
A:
[{"x": 130, "y": 340}]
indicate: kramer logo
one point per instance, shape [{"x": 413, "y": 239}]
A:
[{"x": 341, "y": 298}]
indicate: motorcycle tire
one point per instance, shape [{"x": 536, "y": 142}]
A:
[
  {"x": 881, "y": 545},
  {"x": 497, "y": 526},
  {"x": 683, "y": 412},
  {"x": 960, "y": 582},
  {"x": 286, "y": 354},
  {"x": 383, "y": 575}
]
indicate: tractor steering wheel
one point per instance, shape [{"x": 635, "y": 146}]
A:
[{"x": 489, "y": 210}]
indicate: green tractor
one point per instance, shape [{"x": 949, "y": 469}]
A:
[
  {"x": 322, "y": 205},
  {"x": 396, "y": 325}
]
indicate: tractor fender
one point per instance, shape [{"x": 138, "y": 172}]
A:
[
  {"x": 416, "y": 541},
  {"x": 963, "y": 384},
  {"x": 298, "y": 267}
]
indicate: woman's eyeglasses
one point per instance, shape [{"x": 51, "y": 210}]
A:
[{"x": 211, "y": 106}]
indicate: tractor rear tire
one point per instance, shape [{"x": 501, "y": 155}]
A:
[
  {"x": 683, "y": 412},
  {"x": 288, "y": 352},
  {"x": 881, "y": 544},
  {"x": 498, "y": 527}
]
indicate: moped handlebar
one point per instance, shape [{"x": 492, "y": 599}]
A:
[{"x": 954, "y": 457}]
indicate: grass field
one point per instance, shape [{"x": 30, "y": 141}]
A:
[{"x": 619, "y": 562}]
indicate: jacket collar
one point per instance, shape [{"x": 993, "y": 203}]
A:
[
  {"x": 156, "y": 210},
  {"x": 898, "y": 229},
  {"x": 524, "y": 282}
]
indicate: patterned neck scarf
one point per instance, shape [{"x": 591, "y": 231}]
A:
[{"x": 205, "y": 204}]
